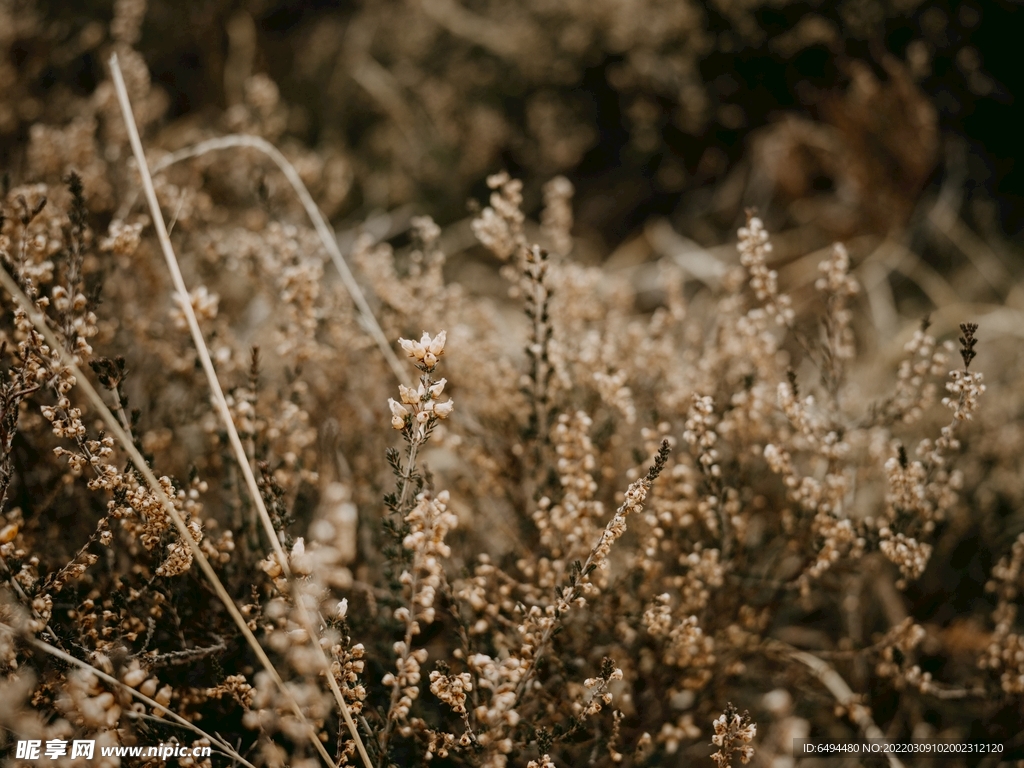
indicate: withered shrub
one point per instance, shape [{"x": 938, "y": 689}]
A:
[{"x": 589, "y": 517}]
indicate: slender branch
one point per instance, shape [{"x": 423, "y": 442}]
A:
[
  {"x": 125, "y": 421},
  {"x": 566, "y": 596}
]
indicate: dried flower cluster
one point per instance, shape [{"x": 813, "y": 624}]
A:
[
  {"x": 755, "y": 248},
  {"x": 733, "y": 734}
]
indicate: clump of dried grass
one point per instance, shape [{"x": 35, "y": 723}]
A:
[{"x": 471, "y": 598}]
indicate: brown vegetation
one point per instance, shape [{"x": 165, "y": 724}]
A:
[{"x": 240, "y": 506}]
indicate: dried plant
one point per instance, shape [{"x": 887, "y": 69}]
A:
[{"x": 622, "y": 509}]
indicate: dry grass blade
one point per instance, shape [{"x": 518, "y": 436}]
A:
[
  {"x": 468, "y": 25},
  {"x": 845, "y": 696},
  {"x": 327, "y": 237},
  {"x": 914, "y": 268},
  {"x": 193, "y": 323},
  {"x": 69, "y": 659},
  {"x": 981, "y": 255},
  {"x": 225, "y": 414},
  {"x": 698, "y": 261}
]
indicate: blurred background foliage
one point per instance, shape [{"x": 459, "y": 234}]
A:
[{"x": 838, "y": 115}]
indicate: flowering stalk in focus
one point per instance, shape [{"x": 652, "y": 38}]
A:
[
  {"x": 422, "y": 527},
  {"x": 733, "y": 733}
]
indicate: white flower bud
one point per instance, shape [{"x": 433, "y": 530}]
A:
[{"x": 436, "y": 346}]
